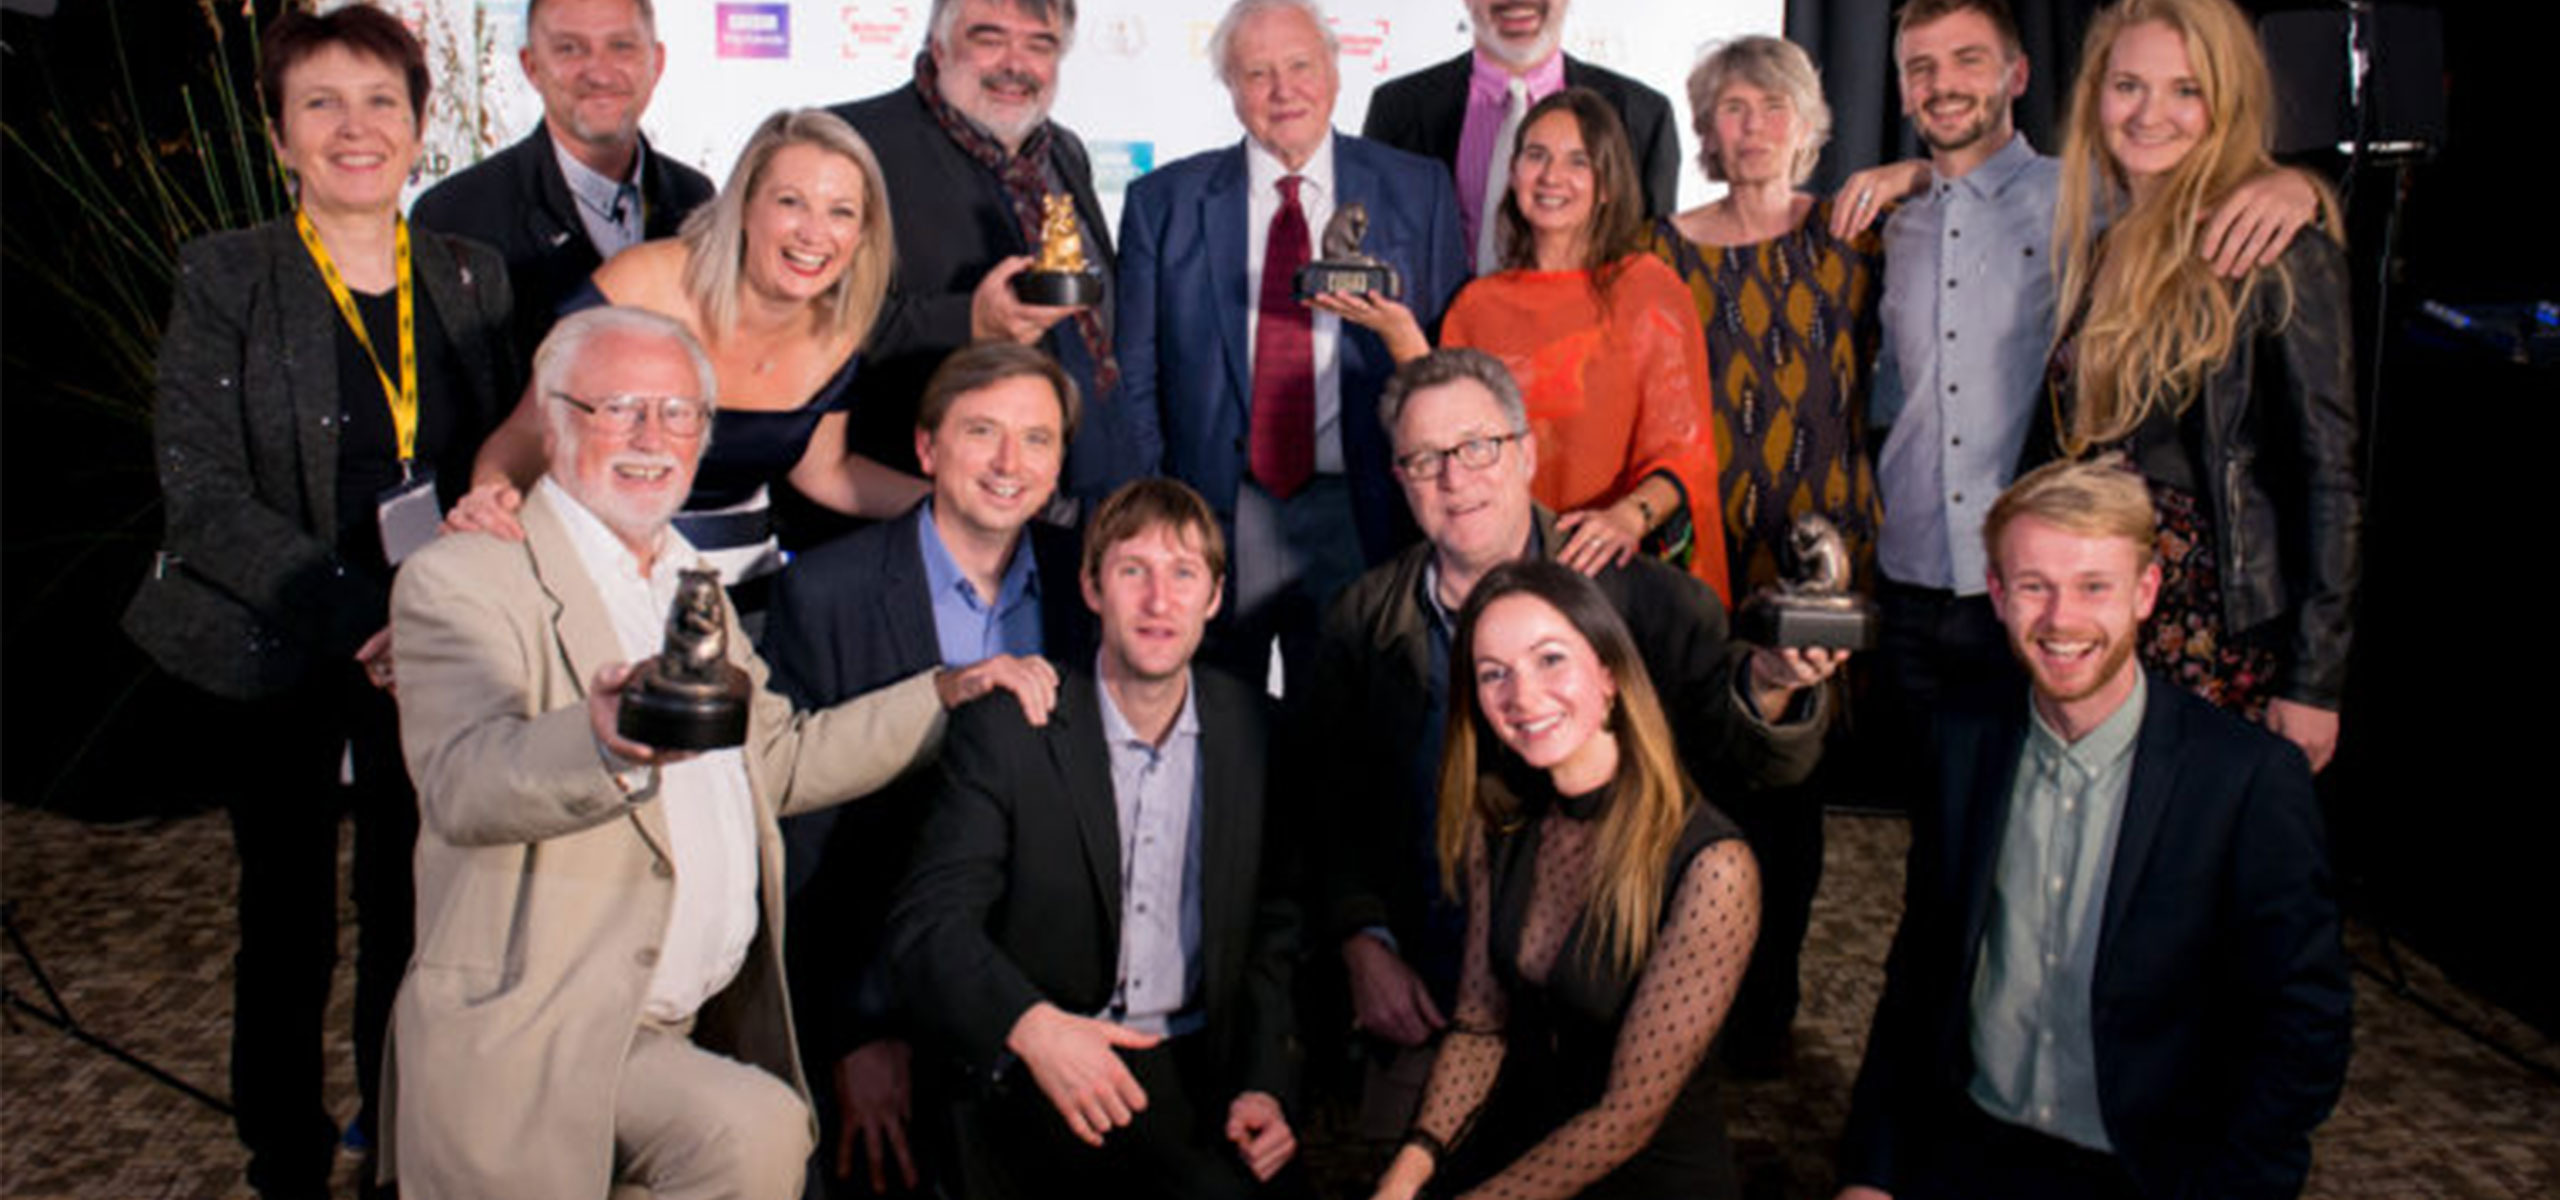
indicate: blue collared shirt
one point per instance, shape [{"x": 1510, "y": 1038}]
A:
[
  {"x": 1157, "y": 791},
  {"x": 2035, "y": 1060},
  {"x": 1968, "y": 322},
  {"x": 611, "y": 209},
  {"x": 964, "y": 624}
]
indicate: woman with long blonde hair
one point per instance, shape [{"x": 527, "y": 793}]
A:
[
  {"x": 2232, "y": 397},
  {"x": 781, "y": 277},
  {"x": 1610, "y": 913}
]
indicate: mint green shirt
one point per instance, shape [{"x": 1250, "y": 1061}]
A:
[{"x": 2034, "y": 1056}]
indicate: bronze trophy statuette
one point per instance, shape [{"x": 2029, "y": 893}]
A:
[
  {"x": 1345, "y": 269},
  {"x": 1059, "y": 277},
  {"x": 690, "y": 697},
  {"x": 1812, "y": 607}
]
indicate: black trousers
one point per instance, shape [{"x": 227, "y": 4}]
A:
[
  {"x": 1011, "y": 1144},
  {"x": 1934, "y": 644},
  {"x": 284, "y": 822},
  {"x": 1979, "y": 1157}
]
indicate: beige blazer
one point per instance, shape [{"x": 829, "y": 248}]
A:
[{"x": 544, "y": 891}]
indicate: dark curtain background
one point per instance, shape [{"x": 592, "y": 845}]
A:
[{"x": 1851, "y": 41}]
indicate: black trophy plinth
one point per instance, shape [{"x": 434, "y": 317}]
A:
[
  {"x": 1059, "y": 289},
  {"x": 666, "y": 713},
  {"x": 1347, "y": 277},
  {"x": 1779, "y": 620},
  {"x": 1813, "y": 607}
]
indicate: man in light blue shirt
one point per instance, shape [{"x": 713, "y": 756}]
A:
[
  {"x": 2118, "y": 972},
  {"x": 967, "y": 582}
]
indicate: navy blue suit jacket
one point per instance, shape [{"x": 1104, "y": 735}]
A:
[
  {"x": 1185, "y": 320},
  {"x": 2221, "y": 1003},
  {"x": 847, "y": 618}
]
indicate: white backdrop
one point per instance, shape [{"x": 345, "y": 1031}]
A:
[{"x": 1137, "y": 86}]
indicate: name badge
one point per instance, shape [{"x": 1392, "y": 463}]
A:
[{"x": 408, "y": 514}]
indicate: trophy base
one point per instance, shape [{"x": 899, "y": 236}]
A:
[
  {"x": 1800, "y": 623},
  {"x": 1059, "y": 289},
  {"x": 672, "y": 716},
  {"x": 1346, "y": 279}
]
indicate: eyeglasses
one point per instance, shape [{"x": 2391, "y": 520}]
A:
[
  {"x": 1475, "y": 454},
  {"x": 679, "y": 416}
]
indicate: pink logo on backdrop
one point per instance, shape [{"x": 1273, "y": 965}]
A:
[
  {"x": 874, "y": 30},
  {"x": 755, "y": 30},
  {"x": 1370, "y": 45}
]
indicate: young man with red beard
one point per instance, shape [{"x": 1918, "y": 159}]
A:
[{"x": 2118, "y": 971}]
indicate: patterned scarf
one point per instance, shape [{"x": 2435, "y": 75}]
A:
[{"x": 1025, "y": 176}]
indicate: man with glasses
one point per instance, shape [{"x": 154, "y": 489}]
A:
[
  {"x": 597, "y": 990},
  {"x": 1463, "y": 453}
]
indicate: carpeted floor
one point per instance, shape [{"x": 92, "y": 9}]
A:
[{"x": 131, "y": 924}]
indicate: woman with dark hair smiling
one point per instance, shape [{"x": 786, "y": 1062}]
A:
[
  {"x": 324, "y": 382},
  {"x": 1610, "y": 912},
  {"x": 1603, "y": 341}
]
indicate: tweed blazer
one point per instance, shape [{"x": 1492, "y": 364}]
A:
[
  {"x": 544, "y": 891},
  {"x": 249, "y": 595}
]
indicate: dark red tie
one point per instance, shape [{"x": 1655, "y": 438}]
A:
[{"x": 1284, "y": 358}]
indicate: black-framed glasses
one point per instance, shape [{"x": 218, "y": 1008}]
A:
[
  {"x": 1475, "y": 454},
  {"x": 679, "y": 416}
]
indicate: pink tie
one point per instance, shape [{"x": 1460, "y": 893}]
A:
[{"x": 1284, "y": 361}]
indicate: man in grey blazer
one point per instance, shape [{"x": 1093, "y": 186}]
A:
[{"x": 597, "y": 990}]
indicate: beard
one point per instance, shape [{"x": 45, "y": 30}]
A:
[
  {"x": 1010, "y": 125},
  {"x": 1988, "y": 113},
  {"x": 2111, "y": 655}
]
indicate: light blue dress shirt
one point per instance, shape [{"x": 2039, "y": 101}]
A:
[
  {"x": 1157, "y": 791},
  {"x": 611, "y": 209},
  {"x": 1968, "y": 322},
  {"x": 968, "y": 628},
  {"x": 2035, "y": 1059}
]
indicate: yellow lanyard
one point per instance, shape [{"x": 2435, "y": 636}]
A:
[{"x": 403, "y": 399}]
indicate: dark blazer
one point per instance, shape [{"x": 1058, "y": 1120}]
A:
[
  {"x": 1185, "y": 319},
  {"x": 954, "y": 224},
  {"x": 1425, "y": 113},
  {"x": 1371, "y": 698},
  {"x": 518, "y": 201},
  {"x": 2221, "y": 1002},
  {"x": 249, "y": 594},
  {"x": 848, "y": 617},
  {"x": 1015, "y": 894}
]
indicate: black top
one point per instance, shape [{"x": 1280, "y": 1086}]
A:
[{"x": 368, "y": 445}]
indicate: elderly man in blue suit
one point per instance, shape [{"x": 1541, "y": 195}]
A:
[{"x": 1266, "y": 406}]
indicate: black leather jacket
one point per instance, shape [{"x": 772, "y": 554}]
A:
[{"x": 2275, "y": 456}]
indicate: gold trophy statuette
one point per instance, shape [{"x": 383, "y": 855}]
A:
[{"x": 1059, "y": 277}]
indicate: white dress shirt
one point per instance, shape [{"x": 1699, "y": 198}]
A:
[
  {"x": 708, "y": 804},
  {"x": 1263, "y": 172}
]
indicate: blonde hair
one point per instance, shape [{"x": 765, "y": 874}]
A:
[
  {"x": 2098, "y": 498},
  {"x": 2155, "y": 318},
  {"x": 715, "y": 236},
  {"x": 1648, "y": 802}
]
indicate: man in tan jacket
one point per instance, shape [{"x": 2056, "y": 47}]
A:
[{"x": 596, "y": 996}]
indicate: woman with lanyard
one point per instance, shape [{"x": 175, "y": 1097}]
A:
[{"x": 324, "y": 383}]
